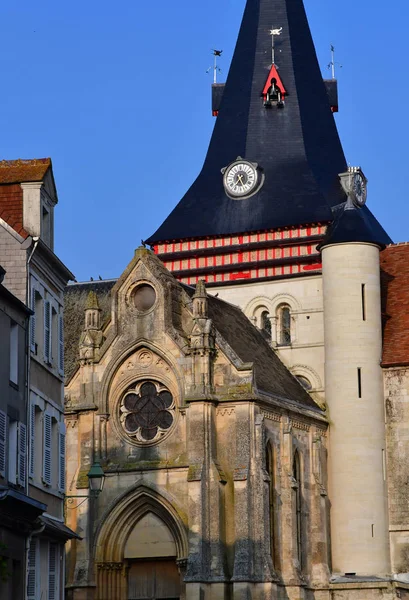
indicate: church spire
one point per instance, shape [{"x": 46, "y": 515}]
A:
[
  {"x": 270, "y": 183},
  {"x": 297, "y": 148}
]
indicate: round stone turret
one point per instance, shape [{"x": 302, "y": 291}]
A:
[{"x": 354, "y": 395}]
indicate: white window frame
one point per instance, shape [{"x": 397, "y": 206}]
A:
[
  {"x": 14, "y": 331},
  {"x": 33, "y": 570},
  {"x": 32, "y": 438},
  {"x": 12, "y": 443},
  {"x": 47, "y": 350},
  {"x": 47, "y": 448},
  {"x": 61, "y": 456},
  {"x": 33, "y": 318},
  {"x": 22, "y": 454},
  {"x": 53, "y": 571},
  {"x": 61, "y": 343},
  {"x": 3, "y": 443}
]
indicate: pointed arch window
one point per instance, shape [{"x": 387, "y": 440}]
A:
[
  {"x": 270, "y": 468},
  {"x": 284, "y": 325},
  {"x": 297, "y": 506}
]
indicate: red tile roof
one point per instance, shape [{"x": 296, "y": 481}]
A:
[
  {"x": 395, "y": 304},
  {"x": 23, "y": 170}
]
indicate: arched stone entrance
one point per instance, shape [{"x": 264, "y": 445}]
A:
[
  {"x": 150, "y": 554},
  {"x": 141, "y": 545}
]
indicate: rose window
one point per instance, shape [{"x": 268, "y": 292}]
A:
[{"x": 147, "y": 411}]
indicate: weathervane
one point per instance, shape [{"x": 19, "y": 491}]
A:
[
  {"x": 333, "y": 63},
  {"x": 215, "y": 68},
  {"x": 273, "y": 33}
]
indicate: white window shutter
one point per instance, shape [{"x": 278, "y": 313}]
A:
[
  {"x": 22, "y": 454},
  {"x": 32, "y": 438},
  {"x": 52, "y": 571},
  {"x": 33, "y": 321},
  {"x": 47, "y": 442},
  {"x": 32, "y": 570},
  {"x": 61, "y": 462},
  {"x": 3, "y": 437},
  {"x": 61, "y": 344},
  {"x": 47, "y": 331}
]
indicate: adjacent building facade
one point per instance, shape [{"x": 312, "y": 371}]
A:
[
  {"x": 36, "y": 276},
  {"x": 18, "y": 512}
]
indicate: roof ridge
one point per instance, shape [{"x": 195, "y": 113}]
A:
[{"x": 5, "y": 163}]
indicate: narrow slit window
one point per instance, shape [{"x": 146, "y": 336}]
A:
[
  {"x": 363, "y": 293},
  {"x": 297, "y": 506},
  {"x": 359, "y": 382},
  {"x": 270, "y": 468}
]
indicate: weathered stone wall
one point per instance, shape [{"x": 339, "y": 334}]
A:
[
  {"x": 205, "y": 477},
  {"x": 396, "y": 382}
]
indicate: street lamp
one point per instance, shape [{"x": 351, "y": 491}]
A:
[{"x": 96, "y": 480}]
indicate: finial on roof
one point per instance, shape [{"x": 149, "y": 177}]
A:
[
  {"x": 92, "y": 301},
  {"x": 200, "y": 301},
  {"x": 200, "y": 289},
  {"x": 274, "y": 33},
  {"x": 216, "y": 69},
  {"x": 332, "y": 64}
]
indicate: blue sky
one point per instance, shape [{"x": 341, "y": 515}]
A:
[{"x": 117, "y": 94}]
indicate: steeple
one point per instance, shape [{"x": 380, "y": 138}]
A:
[
  {"x": 297, "y": 147},
  {"x": 270, "y": 185}
]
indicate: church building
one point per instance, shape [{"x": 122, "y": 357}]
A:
[{"x": 229, "y": 388}]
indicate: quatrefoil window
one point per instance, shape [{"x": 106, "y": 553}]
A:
[{"x": 147, "y": 411}]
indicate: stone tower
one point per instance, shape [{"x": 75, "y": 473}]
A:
[
  {"x": 256, "y": 244},
  {"x": 355, "y": 396}
]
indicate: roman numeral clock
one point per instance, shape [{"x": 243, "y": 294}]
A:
[{"x": 242, "y": 178}]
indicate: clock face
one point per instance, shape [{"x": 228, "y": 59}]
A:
[
  {"x": 240, "y": 179},
  {"x": 359, "y": 189}
]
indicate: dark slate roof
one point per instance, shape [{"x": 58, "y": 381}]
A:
[
  {"x": 75, "y": 301},
  {"x": 353, "y": 224},
  {"x": 298, "y": 146},
  {"x": 271, "y": 375}
]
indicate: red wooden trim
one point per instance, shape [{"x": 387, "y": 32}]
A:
[{"x": 274, "y": 73}]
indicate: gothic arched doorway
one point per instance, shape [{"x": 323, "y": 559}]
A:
[
  {"x": 150, "y": 554},
  {"x": 140, "y": 543}
]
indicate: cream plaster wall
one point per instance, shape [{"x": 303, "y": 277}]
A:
[
  {"x": 357, "y": 484},
  {"x": 305, "y": 356}
]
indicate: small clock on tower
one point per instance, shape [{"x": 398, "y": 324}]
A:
[{"x": 241, "y": 178}]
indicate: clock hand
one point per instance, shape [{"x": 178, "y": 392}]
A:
[{"x": 240, "y": 178}]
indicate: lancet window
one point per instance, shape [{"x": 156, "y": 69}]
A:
[
  {"x": 270, "y": 468},
  {"x": 297, "y": 506}
]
